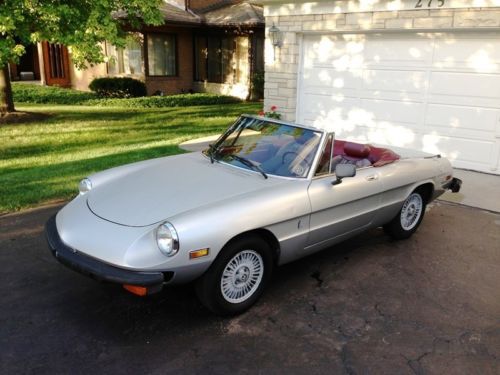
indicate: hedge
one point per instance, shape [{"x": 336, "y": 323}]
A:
[
  {"x": 36, "y": 94},
  {"x": 181, "y": 100},
  {"x": 27, "y": 93}
]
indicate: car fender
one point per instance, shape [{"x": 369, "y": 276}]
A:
[{"x": 283, "y": 211}]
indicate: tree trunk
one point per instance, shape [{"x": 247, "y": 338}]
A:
[{"x": 6, "y": 100}]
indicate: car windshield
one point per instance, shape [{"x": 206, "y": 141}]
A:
[{"x": 267, "y": 147}]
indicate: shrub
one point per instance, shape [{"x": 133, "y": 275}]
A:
[
  {"x": 118, "y": 87},
  {"x": 35, "y": 94},
  {"x": 26, "y": 93},
  {"x": 181, "y": 100}
]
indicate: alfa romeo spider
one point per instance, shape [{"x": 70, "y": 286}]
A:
[{"x": 266, "y": 193}]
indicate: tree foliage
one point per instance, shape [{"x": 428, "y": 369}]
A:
[{"x": 79, "y": 24}]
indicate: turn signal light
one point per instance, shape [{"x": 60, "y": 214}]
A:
[
  {"x": 137, "y": 290},
  {"x": 198, "y": 253}
]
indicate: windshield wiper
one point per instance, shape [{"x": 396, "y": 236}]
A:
[
  {"x": 212, "y": 152},
  {"x": 250, "y": 164}
]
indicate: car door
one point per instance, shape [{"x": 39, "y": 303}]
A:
[{"x": 341, "y": 210}]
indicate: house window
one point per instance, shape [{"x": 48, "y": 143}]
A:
[
  {"x": 201, "y": 58},
  {"x": 162, "y": 55},
  {"x": 221, "y": 59},
  {"x": 125, "y": 61}
]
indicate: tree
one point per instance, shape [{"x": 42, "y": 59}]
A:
[{"x": 81, "y": 25}]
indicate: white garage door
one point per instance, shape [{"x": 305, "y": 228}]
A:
[{"x": 435, "y": 92}]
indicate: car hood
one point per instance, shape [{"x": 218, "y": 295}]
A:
[{"x": 162, "y": 188}]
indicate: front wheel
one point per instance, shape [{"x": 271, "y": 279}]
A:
[
  {"x": 409, "y": 218},
  {"x": 237, "y": 278}
]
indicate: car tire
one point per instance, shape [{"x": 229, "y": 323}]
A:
[
  {"x": 408, "y": 218},
  {"x": 237, "y": 277}
]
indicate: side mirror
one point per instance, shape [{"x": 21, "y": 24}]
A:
[{"x": 344, "y": 170}]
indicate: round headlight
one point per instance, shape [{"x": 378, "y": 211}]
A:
[
  {"x": 85, "y": 186},
  {"x": 167, "y": 239}
]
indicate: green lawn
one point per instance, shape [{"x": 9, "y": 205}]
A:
[{"x": 43, "y": 161}]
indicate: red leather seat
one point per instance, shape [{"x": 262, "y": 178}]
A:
[
  {"x": 356, "y": 150},
  {"x": 378, "y": 156}
]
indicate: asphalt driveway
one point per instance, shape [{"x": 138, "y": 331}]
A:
[{"x": 430, "y": 304}]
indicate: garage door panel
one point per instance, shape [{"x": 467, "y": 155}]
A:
[
  {"x": 470, "y": 85},
  {"x": 395, "y": 80},
  {"x": 335, "y": 94},
  {"x": 331, "y": 79},
  {"x": 331, "y": 108},
  {"x": 335, "y": 52},
  {"x": 382, "y": 51},
  {"x": 475, "y": 54},
  {"x": 467, "y": 119},
  {"x": 346, "y": 116},
  {"x": 460, "y": 149},
  {"x": 394, "y": 96},
  {"x": 462, "y": 101},
  {"x": 409, "y": 113}
]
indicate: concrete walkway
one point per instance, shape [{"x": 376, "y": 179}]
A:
[
  {"x": 198, "y": 144},
  {"x": 480, "y": 190}
]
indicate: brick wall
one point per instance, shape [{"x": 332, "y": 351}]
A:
[
  {"x": 184, "y": 79},
  {"x": 282, "y": 63}
]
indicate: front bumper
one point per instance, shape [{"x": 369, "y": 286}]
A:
[{"x": 96, "y": 269}]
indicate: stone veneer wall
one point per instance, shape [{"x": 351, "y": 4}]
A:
[{"x": 282, "y": 63}]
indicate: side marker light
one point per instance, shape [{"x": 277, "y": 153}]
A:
[{"x": 198, "y": 253}]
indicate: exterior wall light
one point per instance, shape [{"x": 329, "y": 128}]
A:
[{"x": 276, "y": 36}]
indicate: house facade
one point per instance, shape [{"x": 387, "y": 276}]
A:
[
  {"x": 411, "y": 73},
  {"x": 204, "y": 46}
]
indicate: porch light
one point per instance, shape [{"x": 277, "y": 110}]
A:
[{"x": 275, "y": 35}]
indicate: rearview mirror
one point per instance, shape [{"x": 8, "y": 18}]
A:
[{"x": 342, "y": 171}]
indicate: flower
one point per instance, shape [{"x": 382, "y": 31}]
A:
[{"x": 271, "y": 113}]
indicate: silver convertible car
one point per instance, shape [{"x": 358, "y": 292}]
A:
[{"x": 264, "y": 194}]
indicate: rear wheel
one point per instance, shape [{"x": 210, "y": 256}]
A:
[
  {"x": 237, "y": 278},
  {"x": 409, "y": 217}
]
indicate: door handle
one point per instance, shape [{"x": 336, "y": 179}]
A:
[{"x": 373, "y": 177}]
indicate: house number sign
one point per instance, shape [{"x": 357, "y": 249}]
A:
[{"x": 430, "y": 3}]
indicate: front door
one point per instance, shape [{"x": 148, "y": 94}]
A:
[{"x": 56, "y": 65}]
